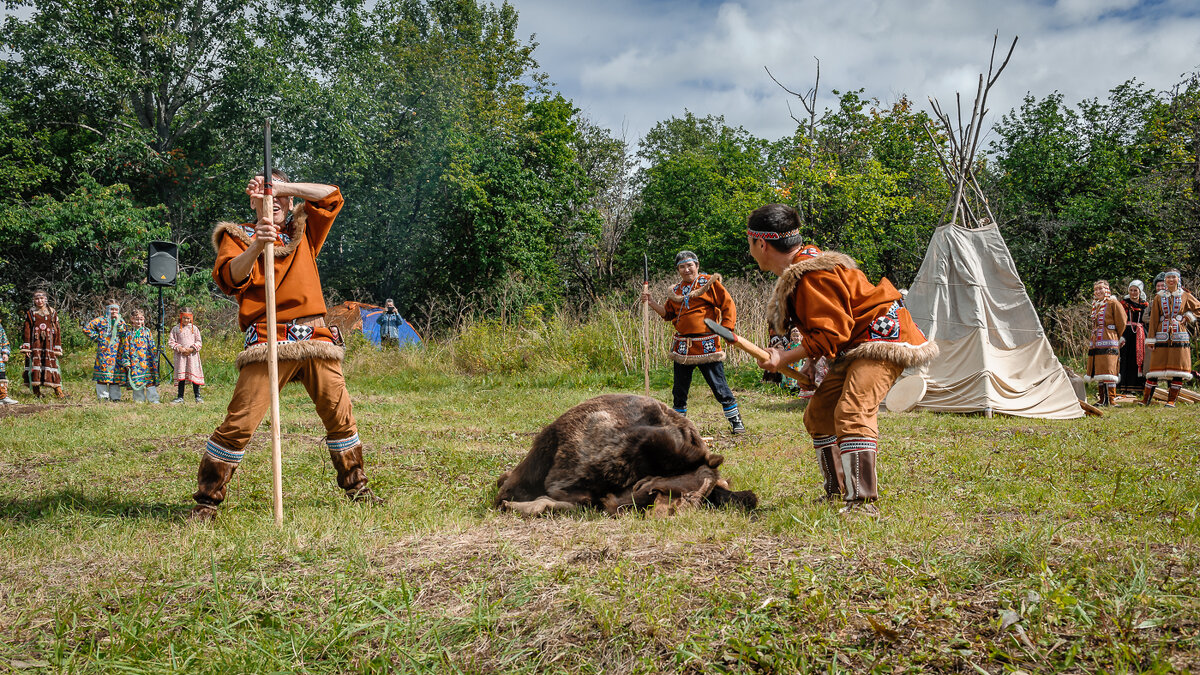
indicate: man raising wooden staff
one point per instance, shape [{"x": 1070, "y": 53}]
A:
[
  {"x": 695, "y": 298},
  {"x": 308, "y": 350},
  {"x": 864, "y": 330}
]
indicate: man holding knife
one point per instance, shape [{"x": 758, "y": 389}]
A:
[{"x": 862, "y": 329}]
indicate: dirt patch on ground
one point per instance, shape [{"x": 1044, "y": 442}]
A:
[{"x": 30, "y": 409}]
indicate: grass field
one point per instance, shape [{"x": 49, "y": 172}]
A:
[{"x": 1004, "y": 544}]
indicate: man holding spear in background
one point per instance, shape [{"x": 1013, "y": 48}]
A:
[{"x": 308, "y": 351}]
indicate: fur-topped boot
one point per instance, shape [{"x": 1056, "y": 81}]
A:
[
  {"x": 350, "y": 475},
  {"x": 211, "y": 480}
]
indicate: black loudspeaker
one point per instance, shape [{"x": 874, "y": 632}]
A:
[{"x": 162, "y": 263}]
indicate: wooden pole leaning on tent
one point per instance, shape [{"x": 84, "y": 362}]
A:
[
  {"x": 268, "y": 212},
  {"x": 646, "y": 325}
]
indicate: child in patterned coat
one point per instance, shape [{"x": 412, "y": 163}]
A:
[{"x": 138, "y": 359}]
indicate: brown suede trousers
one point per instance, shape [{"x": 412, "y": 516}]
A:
[
  {"x": 846, "y": 405},
  {"x": 323, "y": 380},
  {"x": 847, "y": 401}
]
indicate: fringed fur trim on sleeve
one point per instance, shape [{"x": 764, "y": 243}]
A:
[
  {"x": 903, "y": 354},
  {"x": 301, "y": 350},
  {"x": 299, "y": 224},
  {"x": 777, "y": 307}
]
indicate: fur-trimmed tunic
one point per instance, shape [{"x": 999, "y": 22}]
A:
[
  {"x": 42, "y": 345},
  {"x": 841, "y": 315},
  {"x": 299, "y": 300},
  {"x": 1106, "y": 324},
  {"x": 687, "y": 308},
  {"x": 1169, "y": 315}
]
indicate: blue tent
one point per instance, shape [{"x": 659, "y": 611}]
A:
[{"x": 370, "y": 327}]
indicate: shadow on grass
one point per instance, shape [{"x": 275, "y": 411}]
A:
[{"x": 72, "y": 501}]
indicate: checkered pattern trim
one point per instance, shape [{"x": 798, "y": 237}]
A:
[
  {"x": 731, "y": 411},
  {"x": 822, "y": 442},
  {"x": 857, "y": 444},
  {"x": 342, "y": 443},
  {"x": 216, "y": 451}
]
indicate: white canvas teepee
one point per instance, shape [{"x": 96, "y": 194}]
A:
[
  {"x": 967, "y": 296},
  {"x": 994, "y": 357}
]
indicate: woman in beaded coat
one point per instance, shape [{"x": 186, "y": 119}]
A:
[
  {"x": 1106, "y": 324},
  {"x": 1133, "y": 352},
  {"x": 1171, "y": 310},
  {"x": 42, "y": 345}
]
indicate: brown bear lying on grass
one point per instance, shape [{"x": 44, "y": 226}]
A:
[{"x": 616, "y": 452}]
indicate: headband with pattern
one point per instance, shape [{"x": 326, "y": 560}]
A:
[{"x": 759, "y": 234}]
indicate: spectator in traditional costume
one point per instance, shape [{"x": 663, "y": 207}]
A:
[
  {"x": 1160, "y": 285},
  {"x": 105, "y": 331},
  {"x": 389, "y": 325},
  {"x": 1171, "y": 310},
  {"x": 695, "y": 298},
  {"x": 863, "y": 329},
  {"x": 309, "y": 351},
  {"x": 1106, "y": 324},
  {"x": 137, "y": 359},
  {"x": 185, "y": 342},
  {"x": 5, "y": 352},
  {"x": 42, "y": 345},
  {"x": 1133, "y": 351}
]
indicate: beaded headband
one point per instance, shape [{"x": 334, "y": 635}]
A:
[{"x": 759, "y": 234}]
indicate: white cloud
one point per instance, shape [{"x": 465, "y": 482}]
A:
[{"x": 636, "y": 63}]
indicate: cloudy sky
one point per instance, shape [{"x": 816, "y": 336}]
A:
[{"x": 631, "y": 63}]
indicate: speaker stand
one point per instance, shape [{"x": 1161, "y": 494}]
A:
[{"x": 162, "y": 355}]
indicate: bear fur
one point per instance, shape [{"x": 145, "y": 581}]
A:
[{"x": 615, "y": 452}]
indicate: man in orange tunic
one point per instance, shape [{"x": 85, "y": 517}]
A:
[
  {"x": 308, "y": 350},
  {"x": 863, "y": 330},
  {"x": 695, "y": 298}
]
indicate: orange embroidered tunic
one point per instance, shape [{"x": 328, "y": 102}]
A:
[
  {"x": 688, "y": 307},
  {"x": 840, "y": 314},
  {"x": 298, "y": 294}
]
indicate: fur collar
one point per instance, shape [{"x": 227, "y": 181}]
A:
[
  {"x": 702, "y": 283},
  {"x": 777, "y": 307},
  {"x": 1164, "y": 293},
  {"x": 299, "y": 223}
]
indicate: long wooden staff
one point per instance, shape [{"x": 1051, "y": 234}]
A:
[
  {"x": 268, "y": 212},
  {"x": 646, "y": 323}
]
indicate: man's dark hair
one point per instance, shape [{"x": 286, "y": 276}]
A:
[
  {"x": 276, "y": 173},
  {"x": 780, "y": 219}
]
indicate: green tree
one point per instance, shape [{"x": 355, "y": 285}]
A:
[
  {"x": 1082, "y": 192},
  {"x": 703, "y": 178}
]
